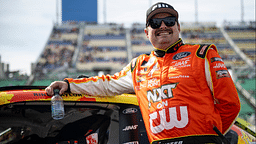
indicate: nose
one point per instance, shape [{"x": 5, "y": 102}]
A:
[{"x": 163, "y": 26}]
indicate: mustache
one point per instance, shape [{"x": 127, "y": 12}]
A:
[{"x": 165, "y": 30}]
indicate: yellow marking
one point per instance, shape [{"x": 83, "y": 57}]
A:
[
  {"x": 5, "y": 98},
  {"x": 37, "y": 90},
  {"x": 124, "y": 98}
]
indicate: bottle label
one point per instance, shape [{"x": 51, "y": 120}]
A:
[{"x": 57, "y": 110}]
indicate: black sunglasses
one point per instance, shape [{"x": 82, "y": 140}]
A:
[{"x": 156, "y": 22}]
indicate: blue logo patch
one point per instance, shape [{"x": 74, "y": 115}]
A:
[
  {"x": 130, "y": 111},
  {"x": 181, "y": 55}
]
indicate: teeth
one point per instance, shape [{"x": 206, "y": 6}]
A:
[
  {"x": 166, "y": 33},
  {"x": 163, "y": 33}
]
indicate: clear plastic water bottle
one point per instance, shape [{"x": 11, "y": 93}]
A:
[{"x": 57, "y": 106}]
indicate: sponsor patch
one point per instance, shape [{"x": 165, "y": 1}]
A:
[
  {"x": 168, "y": 142},
  {"x": 181, "y": 55},
  {"x": 182, "y": 63},
  {"x": 132, "y": 127},
  {"x": 153, "y": 82},
  {"x": 92, "y": 139},
  {"x": 201, "y": 52},
  {"x": 214, "y": 59},
  {"x": 130, "y": 111},
  {"x": 133, "y": 142},
  {"x": 179, "y": 76},
  {"x": 222, "y": 74},
  {"x": 160, "y": 93},
  {"x": 169, "y": 118},
  {"x": 219, "y": 65}
]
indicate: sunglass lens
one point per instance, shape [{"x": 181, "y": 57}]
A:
[
  {"x": 169, "y": 22},
  {"x": 156, "y": 23}
]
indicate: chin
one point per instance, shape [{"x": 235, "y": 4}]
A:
[{"x": 164, "y": 42}]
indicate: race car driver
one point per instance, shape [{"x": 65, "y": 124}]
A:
[{"x": 183, "y": 90}]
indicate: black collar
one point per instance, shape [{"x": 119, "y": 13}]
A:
[{"x": 170, "y": 49}]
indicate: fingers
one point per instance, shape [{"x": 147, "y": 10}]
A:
[
  {"x": 61, "y": 85},
  {"x": 49, "y": 90},
  {"x": 63, "y": 88}
]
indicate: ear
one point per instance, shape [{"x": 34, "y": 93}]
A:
[{"x": 146, "y": 32}]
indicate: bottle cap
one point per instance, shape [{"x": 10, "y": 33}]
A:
[{"x": 56, "y": 91}]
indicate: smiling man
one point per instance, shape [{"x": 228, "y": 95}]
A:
[
  {"x": 162, "y": 29},
  {"x": 181, "y": 94},
  {"x": 164, "y": 35}
]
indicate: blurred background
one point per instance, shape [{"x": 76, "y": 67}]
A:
[{"x": 46, "y": 40}]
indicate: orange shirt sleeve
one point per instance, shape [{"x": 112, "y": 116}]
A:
[{"x": 224, "y": 91}]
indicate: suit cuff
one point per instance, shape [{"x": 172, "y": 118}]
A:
[{"x": 68, "y": 90}]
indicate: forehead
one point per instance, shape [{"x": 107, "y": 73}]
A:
[{"x": 161, "y": 15}]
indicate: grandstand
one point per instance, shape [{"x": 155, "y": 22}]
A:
[
  {"x": 103, "y": 48},
  {"x": 139, "y": 41},
  {"x": 85, "y": 48},
  {"x": 243, "y": 36},
  {"x": 208, "y": 33}
]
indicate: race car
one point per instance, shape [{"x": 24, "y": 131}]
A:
[{"x": 25, "y": 117}]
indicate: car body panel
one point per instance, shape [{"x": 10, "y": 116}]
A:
[{"x": 130, "y": 120}]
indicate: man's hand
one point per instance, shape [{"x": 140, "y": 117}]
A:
[{"x": 61, "y": 85}]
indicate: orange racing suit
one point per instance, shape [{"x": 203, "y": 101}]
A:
[{"x": 182, "y": 92}]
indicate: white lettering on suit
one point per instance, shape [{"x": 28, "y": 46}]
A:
[
  {"x": 174, "y": 122},
  {"x": 158, "y": 94}
]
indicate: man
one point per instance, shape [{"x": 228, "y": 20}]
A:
[{"x": 183, "y": 90}]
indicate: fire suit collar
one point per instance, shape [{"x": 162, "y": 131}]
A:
[{"x": 170, "y": 49}]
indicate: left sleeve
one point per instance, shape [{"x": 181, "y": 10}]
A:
[
  {"x": 223, "y": 89},
  {"x": 105, "y": 85}
]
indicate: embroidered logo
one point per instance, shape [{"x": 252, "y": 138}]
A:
[{"x": 181, "y": 55}]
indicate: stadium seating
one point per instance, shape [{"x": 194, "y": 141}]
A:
[
  {"x": 103, "y": 30},
  {"x": 99, "y": 65},
  {"x": 107, "y": 42},
  {"x": 139, "y": 41},
  {"x": 58, "y": 51},
  {"x": 209, "y": 33},
  {"x": 103, "y": 46},
  {"x": 243, "y": 34}
]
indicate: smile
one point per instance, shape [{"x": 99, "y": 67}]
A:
[{"x": 163, "y": 33}]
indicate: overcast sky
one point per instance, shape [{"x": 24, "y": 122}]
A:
[{"x": 25, "y": 25}]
